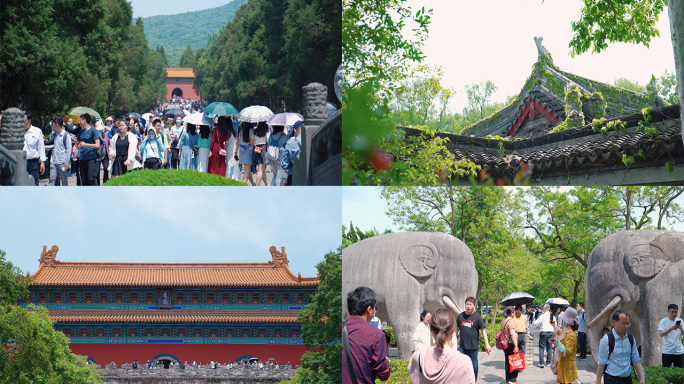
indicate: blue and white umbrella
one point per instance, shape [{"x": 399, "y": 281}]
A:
[
  {"x": 517, "y": 298},
  {"x": 558, "y": 301},
  {"x": 255, "y": 114},
  {"x": 198, "y": 118}
]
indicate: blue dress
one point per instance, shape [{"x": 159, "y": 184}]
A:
[{"x": 186, "y": 143}]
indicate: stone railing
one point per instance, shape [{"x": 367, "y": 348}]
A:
[{"x": 203, "y": 374}]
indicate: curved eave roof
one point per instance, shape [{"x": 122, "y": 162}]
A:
[{"x": 169, "y": 275}]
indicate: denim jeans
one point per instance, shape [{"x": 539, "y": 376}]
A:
[
  {"x": 472, "y": 353},
  {"x": 544, "y": 345}
]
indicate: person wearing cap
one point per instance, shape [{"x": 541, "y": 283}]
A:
[
  {"x": 566, "y": 346},
  {"x": 291, "y": 151},
  {"x": 152, "y": 148},
  {"x": 109, "y": 123}
]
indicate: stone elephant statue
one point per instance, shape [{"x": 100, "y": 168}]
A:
[
  {"x": 409, "y": 272},
  {"x": 638, "y": 271}
]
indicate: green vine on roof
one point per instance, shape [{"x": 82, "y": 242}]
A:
[
  {"x": 645, "y": 124},
  {"x": 573, "y": 102}
]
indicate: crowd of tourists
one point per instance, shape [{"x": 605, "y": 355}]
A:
[
  {"x": 209, "y": 365},
  {"x": 438, "y": 358},
  {"x": 89, "y": 149}
]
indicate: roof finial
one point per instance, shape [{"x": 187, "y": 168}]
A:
[
  {"x": 48, "y": 258},
  {"x": 279, "y": 258},
  {"x": 541, "y": 51}
]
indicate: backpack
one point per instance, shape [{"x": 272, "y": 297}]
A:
[
  {"x": 501, "y": 340},
  {"x": 273, "y": 149},
  {"x": 611, "y": 346}
]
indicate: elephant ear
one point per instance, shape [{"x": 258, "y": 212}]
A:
[
  {"x": 419, "y": 260},
  {"x": 668, "y": 247},
  {"x": 642, "y": 263}
]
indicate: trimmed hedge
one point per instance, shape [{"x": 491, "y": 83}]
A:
[
  {"x": 171, "y": 177},
  {"x": 661, "y": 375}
]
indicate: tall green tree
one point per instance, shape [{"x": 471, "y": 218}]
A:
[
  {"x": 322, "y": 324},
  {"x": 187, "y": 59},
  {"x": 375, "y": 48},
  {"x": 478, "y": 96},
  {"x": 565, "y": 226},
  {"x": 269, "y": 51},
  {"x": 31, "y": 351}
]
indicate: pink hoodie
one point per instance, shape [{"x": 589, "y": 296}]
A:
[{"x": 451, "y": 367}]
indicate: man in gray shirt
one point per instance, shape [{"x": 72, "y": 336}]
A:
[{"x": 61, "y": 154}]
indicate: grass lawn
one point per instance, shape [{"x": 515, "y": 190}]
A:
[{"x": 170, "y": 177}]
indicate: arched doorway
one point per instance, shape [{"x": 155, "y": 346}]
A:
[
  {"x": 177, "y": 92},
  {"x": 165, "y": 359}
]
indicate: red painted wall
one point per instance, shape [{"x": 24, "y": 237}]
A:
[
  {"x": 188, "y": 91},
  {"x": 121, "y": 353}
]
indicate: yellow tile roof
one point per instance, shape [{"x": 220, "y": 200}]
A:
[
  {"x": 274, "y": 273},
  {"x": 180, "y": 72},
  {"x": 168, "y": 316}
]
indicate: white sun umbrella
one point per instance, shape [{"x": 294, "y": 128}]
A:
[
  {"x": 558, "y": 301},
  {"x": 198, "y": 118},
  {"x": 147, "y": 116},
  {"x": 255, "y": 114}
]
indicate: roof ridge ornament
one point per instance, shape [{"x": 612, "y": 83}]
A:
[
  {"x": 279, "y": 258},
  {"x": 542, "y": 53},
  {"x": 49, "y": 258}
]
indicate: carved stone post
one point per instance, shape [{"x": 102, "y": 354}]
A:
[
  {"x": 315, "y": 112},
  {"x": 12, "y": 138}
]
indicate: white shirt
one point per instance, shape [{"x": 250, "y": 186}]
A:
[
  {"x": 34, "y": 145},
  {"x": 152, "y": 150},
  {"x": 421, "y": 336},
  {"x": 672, "y": 342},
  {"x": 543, "y": 320}
]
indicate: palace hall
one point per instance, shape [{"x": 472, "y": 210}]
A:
[{"x": 178, "y": 312}]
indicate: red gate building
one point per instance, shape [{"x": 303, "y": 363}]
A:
[
  {"x": 175, "y": 311},
  {"x": 179, "y": 83}
]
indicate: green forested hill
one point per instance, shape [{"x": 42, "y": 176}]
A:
[{"x": 175, "y": 32}]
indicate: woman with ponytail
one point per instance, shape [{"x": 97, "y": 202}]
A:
[{"x": 441, "y": 363}]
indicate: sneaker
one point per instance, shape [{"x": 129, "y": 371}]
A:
[{"x": 541, "y": 365}]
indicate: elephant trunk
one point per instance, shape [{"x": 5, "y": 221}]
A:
[
  {"x": 451, "y": 305},
  {"x": 607, "y": 310}
]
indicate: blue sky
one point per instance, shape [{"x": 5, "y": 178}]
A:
[
  {"x": 146, "y": 8},
  {"x": 170, "y": 224}
]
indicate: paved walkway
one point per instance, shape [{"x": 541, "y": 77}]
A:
[{"x": 491, "y": 367}]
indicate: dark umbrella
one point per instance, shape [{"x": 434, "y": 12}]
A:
[
  {"x": 517, "y": 298},
  {"x": 221, "y": 109},
  {"x": 132, "y": 114},
  {"x": 173, "y": 112}
]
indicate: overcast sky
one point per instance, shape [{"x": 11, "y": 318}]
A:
[
  {"x": 147, "y": 8},
  {"x": 170, "y": 224},
  {"x": 476, "y": 41}
]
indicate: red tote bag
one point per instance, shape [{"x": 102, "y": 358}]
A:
[{"x": 516, "y": 361}]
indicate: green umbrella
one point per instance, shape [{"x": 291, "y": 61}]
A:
[
  {"x": 76, "y": 113},
  {"x": 221, "y": 109}
]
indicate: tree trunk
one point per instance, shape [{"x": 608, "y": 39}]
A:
[
  {"x": 628, "y": 203},
  {"x": 495, "y": 307},
  {"x": 676, "y": 14}
]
